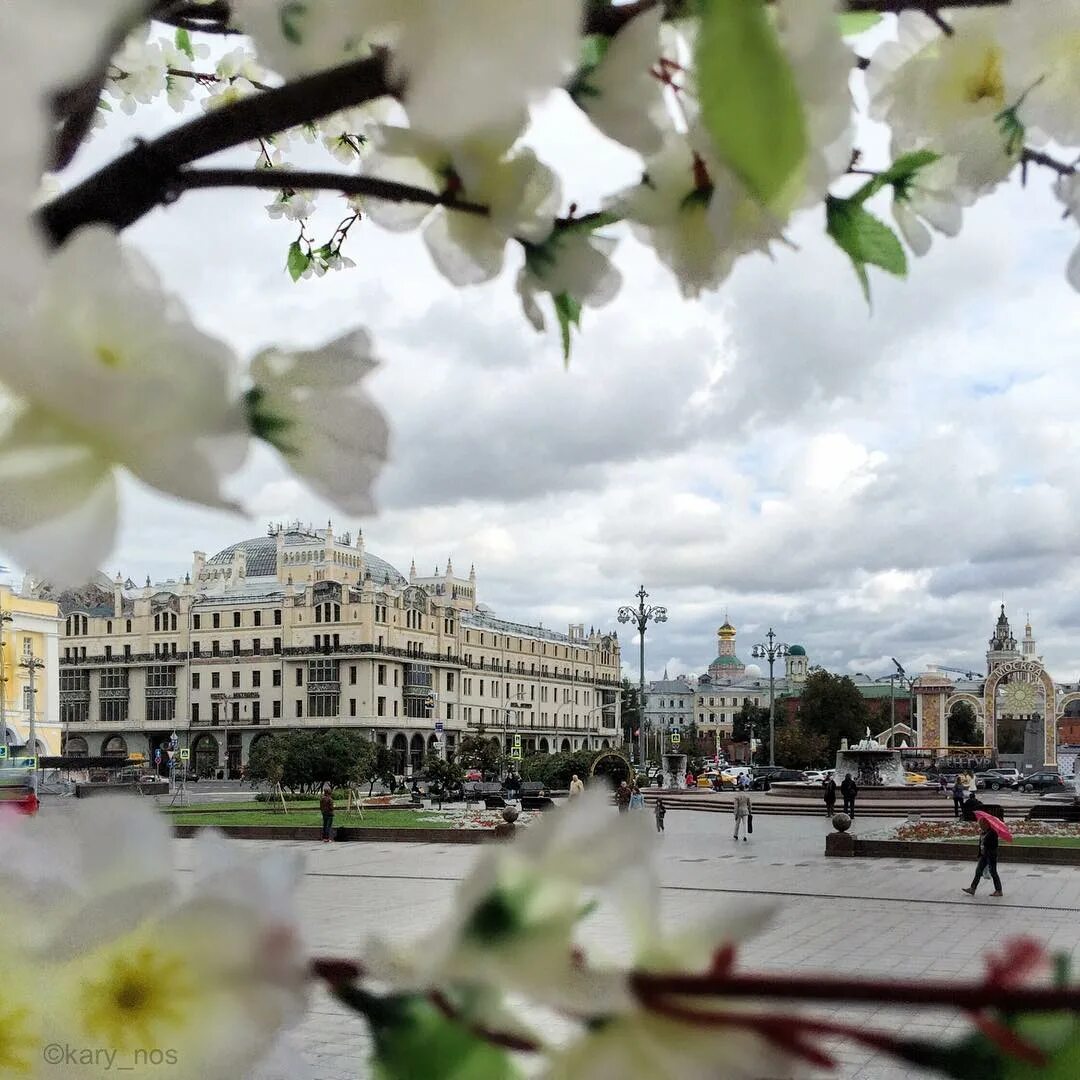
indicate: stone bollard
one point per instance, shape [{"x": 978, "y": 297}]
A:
[
  {"x": 840, "y": 843},
  {"x": 506, "y": 830}
]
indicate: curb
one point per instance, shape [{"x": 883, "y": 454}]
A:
[
  {"x": 345, "y": 834},
  {"x": 950, "y": 851}
]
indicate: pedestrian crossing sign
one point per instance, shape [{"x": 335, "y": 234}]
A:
[
  {"x": 517, "y": 741},
  {"x": 185, "y": 754},
  {"x": 515, "y": 752},
  {"x": 676, "y": 738},
  {"x": 3, "y": 752}
]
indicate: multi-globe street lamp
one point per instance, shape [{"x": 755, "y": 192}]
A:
[
  {"x": 640, "y": 617},
  {"x": 905, "y": 680},
  {"x": 771, "y": 650}
]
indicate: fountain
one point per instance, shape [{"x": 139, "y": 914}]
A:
[
  {"x": 871, "y": 765},
  {"x": 674, "y": 766}
]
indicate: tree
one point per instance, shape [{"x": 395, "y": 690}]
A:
[
  {"x": 379, "y": 768},
  {"x": 831, "y": 705},
  {"x": 440, "y": 773},
  {"x": 555, "y": 770},
  {"x": 482, "y": 752},
  {"x": 963, "y": 727},
  {"x": 303, "y": 761},
  {"x": 751, "y": 722},
  {"x": 797, "y": 748}
]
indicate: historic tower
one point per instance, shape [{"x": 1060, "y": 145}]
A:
[
  {"x": 727, "y": 666},
  {"x": 1002, "y": 644}
]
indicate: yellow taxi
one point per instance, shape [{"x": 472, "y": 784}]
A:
[{"x": 915, "y": 778}]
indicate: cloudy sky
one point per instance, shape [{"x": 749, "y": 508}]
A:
[{"x": 869, "y": 483}]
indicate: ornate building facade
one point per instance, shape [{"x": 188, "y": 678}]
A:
[
  {"x": 29, "y": 631},
  {"x": 303, "y": 628},
  {"x": 1017, "y": 703}
]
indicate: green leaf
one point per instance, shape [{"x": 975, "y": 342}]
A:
[
  {"x": 749, "y": 103},
  {"x": 899, "y": 175},
  {"x": 867, "y": 241},
  {"x": 416, "y": 1041},
  {"x": 291, "y": 17},
  {"x": 1058, "y": 1036},
  {"x": 568, "y": 311},
  {"x": 265, "y": 424},
  {"x": 856, "y": 22},
  {"x": 297, "y": 261},
  {"x": 183, "y": 43}
]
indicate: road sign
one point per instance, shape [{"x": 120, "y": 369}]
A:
[
  {"x": 676, "y": 738},
  {"x": 3, "y": 752},
  {"x": 517, "y": 741},
  {"x": 515, "y": 752},
  {"x": 185, "y": 754},
  {"x": 439, "y": 726}
]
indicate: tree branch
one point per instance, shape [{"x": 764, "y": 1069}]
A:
[
  {"x": 1037, "y": 157},
  {"x": 131, "y": 186},
  {"x": 297, "y": 180}
]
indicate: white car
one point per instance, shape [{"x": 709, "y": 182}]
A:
[{"x": 816, "y": 776}]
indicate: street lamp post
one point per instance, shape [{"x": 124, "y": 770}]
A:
[
  {"x": 902, "y": 675},
  {"x": 771, "y": 650},
  {"x": 33, "y": 665},
  {"x": 5, "y": 617},
  {"x": 640, "y": 617}
]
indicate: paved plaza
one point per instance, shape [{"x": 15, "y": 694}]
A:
[{"x": 890, "y": 917}]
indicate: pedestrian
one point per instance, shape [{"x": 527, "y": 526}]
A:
[
  {"x": 326, "y": 805},
  {"x": 849, "y": 789},
  {"x": 958, "y": 796},
  {"x": 637, "y": 800},
  {"x": 830, "y": 796},
  {"x": 943, "y": 785},
  {"x": 970, "y": 784},
  {"x": 661, "y": 811},
  {"x": 988, "y": 853},
  {"x": 622, "y": 797},
  {"x": 689, "y": 778},
  {"x": 576, "y": 786},
  {"x": 744, "y": 812}
]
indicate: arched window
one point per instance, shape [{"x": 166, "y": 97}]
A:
[
  {"x": 114, "y": 746},
  {"x": 399, "y": 748},
  {"x": 416, "y": 753}
]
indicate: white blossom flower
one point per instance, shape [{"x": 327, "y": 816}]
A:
[
  {"x": 931, "y": 194},
  {"x": 137, "y": 73},
  {"x": 292, "y": 206},
  {"x": 1042, "y": 64},
  {"x": 239, "y": 63},
  {"x": 109, "y": 373},
  {"x": 1067, "y": 190},
  {"x": 313, "y": 407},
  {"x": 670, "y": 210},
  {"x": 573, "y": 261},
  {"x": 622, "y": 95},
  {"x": 948, "y": 94},
  {"x": 465, "y": 66},
  {"x": 522, "y": 196},
  {"x": 114, "y": 958},
  {"x": 514, "y": 916}
]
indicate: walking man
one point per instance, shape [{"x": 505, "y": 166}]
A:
[
  {"x": 849, "y": 789},
  {"x": 988, "y": 853},
  {"x": 576, "y": 786},
  {"x": 958, "y": 792},
  {"x": 743, "y": 810},
  {"x": 326, "y": 805},
  {"x": 830, "y": 796},
  {"x": 622, "y": 797},
  {"x": 661, "y": 811}
]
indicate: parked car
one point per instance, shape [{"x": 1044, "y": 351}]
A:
[
  {"x": 1010, "y": 776},
  {"x": 994, "y": 781},
  {"x": 763, "y": 781},
  {"x": 915, "y": 777},
  {"x": 1041, "y": 781},
  {"x": 816, "y": 776}
]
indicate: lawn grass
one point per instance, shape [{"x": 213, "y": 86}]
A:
[
  {"x": 379, "y": 819},
  {"x": 249, "y": 804}
]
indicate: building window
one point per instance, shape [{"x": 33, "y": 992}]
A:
[
  {"x": 108, "y": 626},
  {"x": 215, "y": 680},
  {"x": 256, "y": 712},
  {"x": 196, "y": 622},
  {"x": 276, "y": 710},
  {"x": 380, "y": 707},
  {"x": 449, "y": 680},
  {"x": 194, "y": 712},
  {"x": 299, "y": 708},
  {"x": 75, "y": 682},
  {"x": 127, "y": 652},
  {"x": 160, "y": 710},
  {"x": 217, "y": 620},
  {"x": 215, "y": 713},
  {"x": 449, "y": 710},
  {"x": 352, "y": 674},
  {"x": 236, "y": 618},
  {"x": 236, "y": 712},
  {"x": 256, "y": 646},
  {"x": 27, "y": 699},
  {"x": 194, "y": 648},
  {"x": 256, "y": 618},
  {"x": 114, "y": 678},
  {"x": 275, "y": 679},
  {"x": 235, "y": 646},
  {"x": 113, "y": 711},
  {"x": 323, "y": 704},
  {"x": 27, "y": 646},
  {"x": 215, "y": 648},
  {"x": 381, "y": 675},
  {"x": 352, "y": 706},
  {"x": 128, "y": 629},
  {"x": 256, "y": 679},
  {"x": 161, "y": 676},
  {"x": 108, "y": 651},
  {"x": 277, "y": 645},
  {"x": 277, "y": 616},
  {"x": 236, "y": 680},
  {"x": 299, "y": 676}
]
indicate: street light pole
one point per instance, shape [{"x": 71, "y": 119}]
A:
[
  {"x": 5, "y": 617},
  {"x": 902, "y": 675},
  {"x": 771, "y": 650},
  {"x": 32, "y": 664},
  {"x": 640, "y": 617}
]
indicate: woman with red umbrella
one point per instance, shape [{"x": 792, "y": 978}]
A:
[{"x": 990, "y": 828}]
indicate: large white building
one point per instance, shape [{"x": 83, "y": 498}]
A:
[{"x": 303, "y": 628}]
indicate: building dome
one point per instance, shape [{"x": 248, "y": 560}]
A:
[
  {"x": 261, "y": 556},
  {"x": 796, "y": 650},
  {"x": 727, "y": 630},
  {"x": 727, "y": 661}
]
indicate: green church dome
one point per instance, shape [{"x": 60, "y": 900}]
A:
[{"x": 796, "y": 650}]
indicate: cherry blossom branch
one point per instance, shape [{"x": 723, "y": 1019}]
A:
[
  {"x": 298, "y": 180},
  {"x": 1037, "y": 157},
  {"x": 791, "y": 987},
  {"x": 133, "y": 184}
]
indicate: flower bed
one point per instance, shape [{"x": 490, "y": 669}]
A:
[{"x": 963, "y": 830}]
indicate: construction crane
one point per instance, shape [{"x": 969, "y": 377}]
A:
[{"x": 961, "y": 671}]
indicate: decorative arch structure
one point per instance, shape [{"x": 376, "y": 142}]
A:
[
  {"x": 613, "y": 765},
  {"x": 1026, "y": 671},
  {"x": 973, "y": 700}
]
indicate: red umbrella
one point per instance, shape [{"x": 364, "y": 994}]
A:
[{"x": 995, "y": 823}]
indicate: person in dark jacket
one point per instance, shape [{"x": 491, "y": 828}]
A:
[
  {"x": 622, "y": 797},
  {"x": 988, "y": 853},
  {"x": 829, "y": 788},
  {"x": 849, "y": 789},
  {"x": 326, "y": 805},
  {"x": 958, "y": 793}
]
